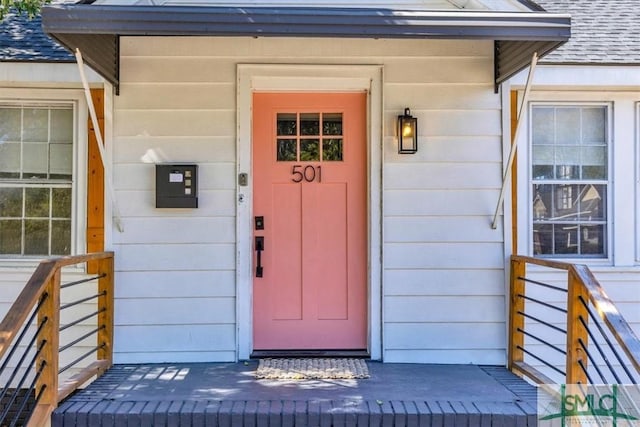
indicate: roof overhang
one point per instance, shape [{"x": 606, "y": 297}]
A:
[{"x": 95, "y": 29}]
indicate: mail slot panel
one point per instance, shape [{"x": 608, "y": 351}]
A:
[{"x": 176, "y": 186}]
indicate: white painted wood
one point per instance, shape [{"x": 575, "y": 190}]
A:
[
  {"x": 447, "y": 356},
  {"x": 443, "y": 309},
  {"x": 212, "y": 53},
  {"x": 439, "y": 229},
  {"x": 623, "y": 170},
  {"x": 189, "y": 99},
  {"x": 184, "y": 256},
  {"x": 439, "y": 336},
  {"x": 175, "y": 149},
  {"x": 440, "y": 202},
  {"x": 174, "y": 338},
  {"x": 192, "y": 284},
  {"x": 442, "y": 282},
  {"x": 175, "y": 311},
  {"x": 422, "y": 5},
  {"x": 622, "y": 183},
  {"x": 449, "y": 255},
  {"x": 457, "y": 176},
  {"x": 141, "y": 203},
  {"x": 193, "y": 122},
  {"x": 581, "y": 78},
  {"x": 45, "y": 75},
  {"x": 431, "y": 4},
  {"x": 177, "y": 230},
  {"x": 178, "y": 96},
  {"x": 141, "y": 176},
  {"x": 75, "y": 97},
  {"x": 448, "y": 149},
  {"x": 143, "y": 357}
]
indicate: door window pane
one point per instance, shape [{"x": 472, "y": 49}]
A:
[
  {"x": 286, "y": 124},
  {"x": 332, "y": 150},
  {"x": 310, "y": 124},
  {"x": 309, "y": 150},
  {"x": 332, "y": 124},
  {"x": 309, "y": 137},
  {"x": 287, "y": 150}
]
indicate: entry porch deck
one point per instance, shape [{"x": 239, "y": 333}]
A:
[{"x": 227, "y": 394}]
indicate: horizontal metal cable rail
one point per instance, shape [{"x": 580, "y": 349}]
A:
[
  {"x": 30, "y": 340},
  {"x": 595, "y": 342}
]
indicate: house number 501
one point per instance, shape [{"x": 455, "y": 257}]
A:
[{"x": 306, "y": 173}]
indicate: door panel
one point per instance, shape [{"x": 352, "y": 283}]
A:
[{"x": 309, "y": 168}]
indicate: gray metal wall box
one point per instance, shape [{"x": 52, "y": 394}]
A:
[{"x": 176, "y": 186}]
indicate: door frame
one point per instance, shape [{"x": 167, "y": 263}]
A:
[{"x": 305, "y": 78}]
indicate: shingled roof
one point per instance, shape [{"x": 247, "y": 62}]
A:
[
  {"x": 602, "y": 32},
  {"x": 22, "y": 39}
]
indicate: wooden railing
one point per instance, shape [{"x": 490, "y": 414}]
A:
[
  {"x": 598, "y": 347},
  {"x": 30, "y": 344}
]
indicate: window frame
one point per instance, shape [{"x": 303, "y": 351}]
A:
[
  {"x": 609, "y": 232},
  {"x": 636, "y": 157},
  {"x": 53, "y": 97}
]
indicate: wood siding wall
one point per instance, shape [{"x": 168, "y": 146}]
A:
[{"x": 443, "y": 280}]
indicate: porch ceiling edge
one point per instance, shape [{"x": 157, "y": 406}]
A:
[{"x": 95, "y": 29}]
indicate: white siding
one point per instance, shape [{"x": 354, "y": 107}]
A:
[{"x": 442, "y": 270}]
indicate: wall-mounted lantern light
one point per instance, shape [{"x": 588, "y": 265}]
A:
[{"x": 407, "y": 133}]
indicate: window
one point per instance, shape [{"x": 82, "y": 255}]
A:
[
  {"x": 36, "y": 178},
  {"x": 312, "y": 142},
  {"x": 570, "y": 180}
]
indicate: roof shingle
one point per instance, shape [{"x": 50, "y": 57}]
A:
[
  {"x": 22, "y": 39},
  {"x": 602, "y": 31}
]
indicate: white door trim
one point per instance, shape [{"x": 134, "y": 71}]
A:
[{"x": 300, "y": 78}]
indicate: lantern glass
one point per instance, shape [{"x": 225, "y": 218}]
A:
[{"x": 407, "y": 133}]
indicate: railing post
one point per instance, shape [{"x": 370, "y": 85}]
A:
[
  {"x": 516, "y": 321},
  {"x": 50, "y": 333},
  {"x": 105, "y": 317},
  {"x": 576, "y": 332}
]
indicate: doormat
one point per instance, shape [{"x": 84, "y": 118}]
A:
[{"x": 312, "y": 369}]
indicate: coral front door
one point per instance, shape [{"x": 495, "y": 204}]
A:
[{"x": 310, "y": 239}]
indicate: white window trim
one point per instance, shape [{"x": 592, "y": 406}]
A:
[
  {"x": 79, "y": 183},
  {"x": 525, "y": 243},
  {"x": 636, "y": 144}
]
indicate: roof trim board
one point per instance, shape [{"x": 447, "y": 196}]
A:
[{"x": 96, "y": 29}]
